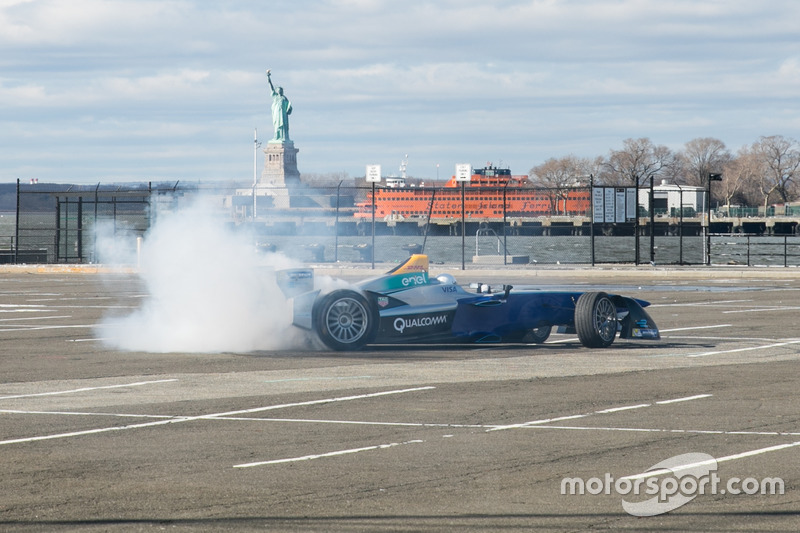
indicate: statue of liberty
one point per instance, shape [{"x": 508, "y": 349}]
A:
[{"x": 281, "y": 109}]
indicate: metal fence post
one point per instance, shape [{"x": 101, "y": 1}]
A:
[
  {"x": 652, "y": 223},
  {"x": 748, "y": 250},
  {"x": 505, "y": 238},
  {"x": 336, "y": 226},
  {"x": 680, "y": 226},
  {"x": 636, "y": 224},
  {"x": 80, "y": 229},
  {"x": 16, "y": 229}
]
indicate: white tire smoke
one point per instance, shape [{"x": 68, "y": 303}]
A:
[{"x": 206, "y": 291}]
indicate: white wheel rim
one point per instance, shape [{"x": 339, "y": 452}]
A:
[{"x": 346, "y": 320}]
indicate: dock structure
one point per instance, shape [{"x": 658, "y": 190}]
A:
[{"x": 308, "y": 221}]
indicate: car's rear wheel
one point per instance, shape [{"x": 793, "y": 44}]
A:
[
  {"x": 595, "y": 320},
  {"x": 345, "y": 320}
]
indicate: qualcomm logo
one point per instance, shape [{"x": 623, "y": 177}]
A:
[{"x": 401, "y": 324}]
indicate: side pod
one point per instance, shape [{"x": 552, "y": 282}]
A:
[
  {"x": 637, "y": 324},
  {"x": 302, "y": 309}
]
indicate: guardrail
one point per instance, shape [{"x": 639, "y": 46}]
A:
[{"x": 755, "y": 250}]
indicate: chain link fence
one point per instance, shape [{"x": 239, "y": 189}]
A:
[{"x": 380, "y": 224}]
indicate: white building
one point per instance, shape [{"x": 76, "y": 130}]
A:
[{"x": 668, "y": 199}]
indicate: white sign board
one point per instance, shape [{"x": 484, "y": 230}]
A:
[
  {"x": 631, "y": 203},
  {"x": 598, "y": 214},
  {"x": 609, "y": 199},
  {"x": 613, "y": 204},
  {"x": 463, "y": 172},
  {"x": 620, "y": 207},
  {"x": 373, "y": 173}
]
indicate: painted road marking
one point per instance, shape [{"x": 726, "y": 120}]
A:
[
  {"x": 328, "y": 454},
  {"x": 37, "y": 328},
  {"x": 627, "y": 408},
  {"x": 685, "y": 399},
  {"x": 333, "y": 378},
  {"x": 356, "y": 422},
  {"x": 85, "y": 389},
  {"x": 761, "y": 309},
  {"x": 749, "y": 349},
  {"x": 696, "y": 327},
  {"x": 712, "y": 462},
  {"x": 663, "y": 430},
  {"x": 603, "y": 411},
  {"x": 26, "y": 318},
  {"x": 76, "y": 413},
  {"x": 709, "y": 338},
  {"x": 704, "y": 304},
  {"x": 575, "y": 339},
  {"x": 180, "y": 419}
]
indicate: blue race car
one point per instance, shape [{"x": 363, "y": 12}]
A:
[{"x": 405, "y": 306}]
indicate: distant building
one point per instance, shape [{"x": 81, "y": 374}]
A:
[{"x": 668, "y": 199}]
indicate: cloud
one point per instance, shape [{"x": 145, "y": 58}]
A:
[{"x": 372, "y": 78}]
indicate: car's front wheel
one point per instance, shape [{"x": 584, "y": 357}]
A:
[
  {"x": 595, "y": 320},
  {"x": 345, "y": 320}
]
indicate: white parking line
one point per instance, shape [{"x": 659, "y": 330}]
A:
[
  {"x": 603, "y": 411},
  {"x": 354, "y": 422},
  {"x": 180, "y": 419},
  {"x": 704, "y": 304},
  {"x": 37, "y": 328},
  {"x": 696, "y": 327},
  {"x": 26, "y": 318},
  {"x": 663, "y": 430},
  {"x": 85, "y": 389},
  {"x": 328, "y": 454},
  {"x": 749, "y": 349},
  {"x": 712, "y": 462},
  {"x": 762, "y": 309},
  {"x": 77, "y": 413},
  {"x": 685, "y": 399},
  {"x": 574, "y": 339},
  {"x": 627, "y": 408}
]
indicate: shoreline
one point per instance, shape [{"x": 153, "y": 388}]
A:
[{"x": 349, "y": 270}]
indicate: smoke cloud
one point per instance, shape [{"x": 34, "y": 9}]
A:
[{"x": 207, "y": 290}]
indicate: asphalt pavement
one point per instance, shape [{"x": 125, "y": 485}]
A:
[{"x": 412, "y": 438}]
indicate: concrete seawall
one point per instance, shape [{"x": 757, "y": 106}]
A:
[{"x": 576, "y": 272}]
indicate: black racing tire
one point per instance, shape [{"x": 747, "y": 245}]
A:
[
  {"x": 345, "y": 320},
  {"x": 596, "y": 320},
  {"x": 539, "y": 335}
]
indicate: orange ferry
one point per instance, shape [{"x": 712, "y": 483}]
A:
[{"x": 483, "y": 198}]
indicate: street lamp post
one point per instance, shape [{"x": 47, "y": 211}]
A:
[
  {"x": 711, "y": 177},
  {"x": 652, "y": 223}
]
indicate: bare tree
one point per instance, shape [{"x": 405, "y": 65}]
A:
[
  {"x": 312, "y": 179},
  {"x": 638, "y": 162},
  {"x": 703, "y": 156},
  {"x": 739, "y": 174},
  {"x": 560, "y": 175},
  {"x": 779, "y": 158}
]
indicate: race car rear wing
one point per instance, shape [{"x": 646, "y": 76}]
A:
[
  {"x": 415, "y": 264},
  {"x": 295, "y": 281}
]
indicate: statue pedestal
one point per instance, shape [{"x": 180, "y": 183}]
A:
[{"x": 280, "y": 165}]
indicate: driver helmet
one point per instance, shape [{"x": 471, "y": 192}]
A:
[{"x": 446, "y": 279}]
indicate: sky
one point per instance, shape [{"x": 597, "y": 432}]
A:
[{"x": 137, "y": 90}]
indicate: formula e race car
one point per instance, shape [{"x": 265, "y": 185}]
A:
[{"x": 405, "y": 306}]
